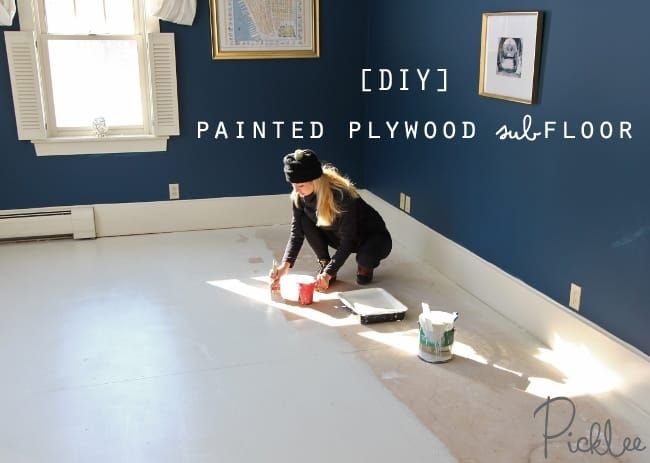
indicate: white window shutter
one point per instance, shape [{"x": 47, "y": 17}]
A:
[
  {"x": 25, "y": 84},
  {"x": 162, "y": 63}
]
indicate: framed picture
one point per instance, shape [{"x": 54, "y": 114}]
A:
[
  {"x": 510, "y": 55},
  {"x": 247, "y": 29}
]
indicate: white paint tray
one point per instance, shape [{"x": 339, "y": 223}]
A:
[{"x": 373, "y": 305}]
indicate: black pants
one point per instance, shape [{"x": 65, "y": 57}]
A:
[{"x": 370, "y": 249}]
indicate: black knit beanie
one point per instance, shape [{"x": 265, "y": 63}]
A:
[{"x": 302, "y": 166}]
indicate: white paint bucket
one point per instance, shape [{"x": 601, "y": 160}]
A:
[{"x": 436, "y": 335}]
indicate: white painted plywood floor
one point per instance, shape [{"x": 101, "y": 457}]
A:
[{"x": 164, "y": 348}]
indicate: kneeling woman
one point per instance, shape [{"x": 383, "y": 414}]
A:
[{"x": 328, "y": 211}]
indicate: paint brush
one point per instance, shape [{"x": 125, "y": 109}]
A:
[{"x": 276, "y": 293}]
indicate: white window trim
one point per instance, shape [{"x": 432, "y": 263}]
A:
[
  {"x": 91, "y": 145},
  {"x": 85, "y": 144}
]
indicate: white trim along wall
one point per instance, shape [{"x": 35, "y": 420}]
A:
[
  {"x": 186, "y": 215},
  {"x": 550, "y": 322}
]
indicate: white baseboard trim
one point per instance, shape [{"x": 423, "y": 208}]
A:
[
  {"x": 181, "y": 215},
  {"x": 548, "y": 321},
  {"x": 187, "y": 215}
]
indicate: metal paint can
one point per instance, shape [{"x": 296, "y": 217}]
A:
[{"x": 436, "y": 336}]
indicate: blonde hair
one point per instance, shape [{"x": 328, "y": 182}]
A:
[{"x": 326, "y": 208}]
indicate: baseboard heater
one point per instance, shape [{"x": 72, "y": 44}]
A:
[{"x": 76, "y": 222}]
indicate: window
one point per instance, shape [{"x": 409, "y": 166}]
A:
[{"x": 82, "y": 61}]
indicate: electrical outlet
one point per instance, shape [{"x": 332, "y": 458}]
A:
[
  {"x": 407, "y": 204},
  {"x": 174, "y": 191},
  {"x": 402, "y": 200},
  {"x": 574, "y": 296}
]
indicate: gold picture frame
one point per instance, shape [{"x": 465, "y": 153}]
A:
[
  {"x": 254, "y": 29},
  {"x": 511, "y": 45}
]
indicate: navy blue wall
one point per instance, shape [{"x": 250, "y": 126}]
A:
[
  {"x": 287, "y": 90},
  {"x": 550, "y": 212}
]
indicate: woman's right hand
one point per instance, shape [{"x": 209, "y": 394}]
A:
[{"x": 282, "y": 270}]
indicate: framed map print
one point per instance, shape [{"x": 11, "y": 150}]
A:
[
  {"x": 510, "y": 55},
  {"x": 246, "y": 29}
]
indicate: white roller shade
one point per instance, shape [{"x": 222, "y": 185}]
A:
[
  {"x": 25, "y": 84},
  {"x": 162, "y": 62}
]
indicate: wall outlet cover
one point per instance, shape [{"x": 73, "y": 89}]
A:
[
  {"x": 574, "y": 296},
  {"x": 174, "y": 191}
]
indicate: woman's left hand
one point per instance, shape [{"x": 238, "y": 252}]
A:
[{"x": 323, "y": 281}]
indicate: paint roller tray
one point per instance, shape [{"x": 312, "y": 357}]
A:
[{"x": 374, "y": 305}]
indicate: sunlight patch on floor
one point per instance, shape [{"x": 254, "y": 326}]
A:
[
  {"x": 262, "y": 294},
  {"x": 584, "y": 373}
]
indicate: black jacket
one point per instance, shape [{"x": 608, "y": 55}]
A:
[{"x": 357, "y": 221}]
